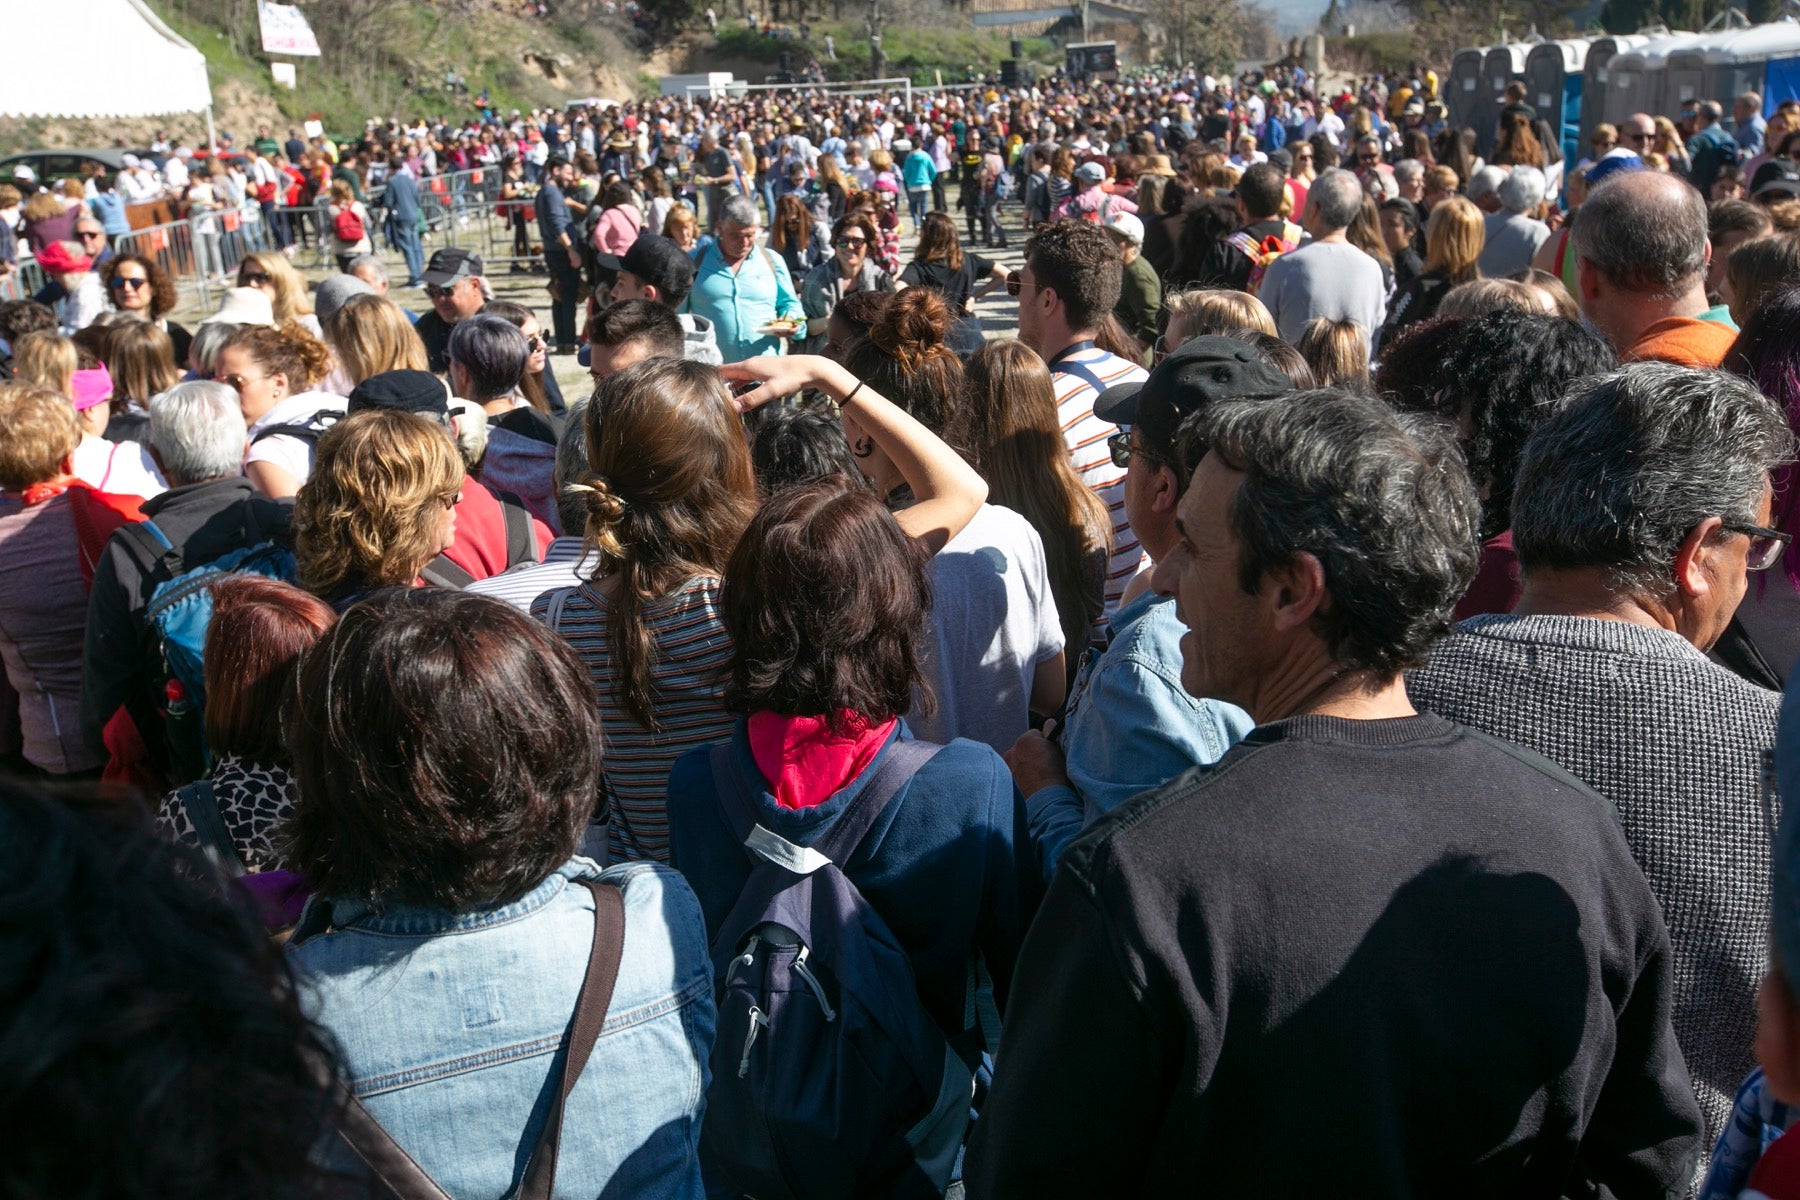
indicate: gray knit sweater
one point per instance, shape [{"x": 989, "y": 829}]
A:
[{"x": 1677, "y": 744}]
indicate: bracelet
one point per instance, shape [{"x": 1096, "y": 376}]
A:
[{"x": 852, "y": 395}]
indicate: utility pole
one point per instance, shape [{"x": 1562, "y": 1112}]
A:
[{"x": 877, "y": 57}]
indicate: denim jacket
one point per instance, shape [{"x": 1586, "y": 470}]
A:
[
  {"x": 450, "y": 1025},
  {"x": 1130, "y": 726}
]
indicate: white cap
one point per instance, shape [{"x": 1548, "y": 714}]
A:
[
  {"x": 1128, "y": 227},
  {"x": 243, "y": 306}
]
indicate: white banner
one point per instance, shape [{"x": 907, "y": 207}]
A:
[{"x": 285, "y": 31}]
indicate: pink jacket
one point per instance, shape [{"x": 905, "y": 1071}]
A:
[{"x": 617, "y": 228}]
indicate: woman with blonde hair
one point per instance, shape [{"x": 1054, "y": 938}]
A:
[
  {"x": 349, "y": 223},
  {"x": 269, "y": 272},
  {"x": 1337, "y": 353},
  {"x": 276, "y": 373},
  {"x": 141, "y": 358},
  {"x": 380, "y": 504},
  {"x": 1210, "y": 310},
  {"x": 1016, "y": 438},
  {"x": 1667, "y": 144},
  {"x": 1454, "y": 235},
  {"x": 369, "y": 334},
  {"x": 682, "y": 227}
]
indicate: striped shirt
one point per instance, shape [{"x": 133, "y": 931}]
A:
[
  {"x": 563, "y": 566},
  {"x": 691, "y": 655},
  {"x": 1080, "y": 377}
]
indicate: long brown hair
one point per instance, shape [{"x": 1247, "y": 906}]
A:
[
  {"x": 141, "y": 358},
  {"x": 670, "y": 493},
  {"x": 1018, "y": 446},
  {"x": 781, "y": 232},
  {"x": 938, "y": 242},
  {"x": 1518, "y": 145}
]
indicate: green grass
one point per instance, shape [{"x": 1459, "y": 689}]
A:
[{"x": 911, "y": 51}]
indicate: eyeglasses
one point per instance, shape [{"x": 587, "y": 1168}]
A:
[
  {"x": 852, "y": 243},
  {"x": 1766, "y": 545},
  {"x": 88, "y": 235},
  {"x": 236, "y": 382},
  {"x": 1628, "y": 136},
  {"x": 1120, "y": 448},
  {"x": 128, "y": 283},
  {"x": 452, "y": 500}
]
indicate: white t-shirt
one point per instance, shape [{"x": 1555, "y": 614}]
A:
[
  {"x": 122, "y": 468},
  {"x": 993, "y": 621},
  {"x": 293, "y": 455}
]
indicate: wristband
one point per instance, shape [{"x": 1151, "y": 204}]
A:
[{"x": 847, "y": 399}]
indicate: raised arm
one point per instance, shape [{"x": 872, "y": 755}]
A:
[{"x": 946, "y": 490}]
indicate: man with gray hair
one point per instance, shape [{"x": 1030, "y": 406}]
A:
[
  {"x": 1483, "y": 189},
  {"x": 1409, "y": 180},
  {"x": 1639, "y": 512},
  {"x": 1327, "y": 276},
  {"x": 1514, "y": 233},
  {"x": 1641, "y": 254},
  {"x": 564, "y": 564},
  {"x": 1361, "y": 903},
  {"x": 210, "y": 510},
  {"x": 744, "y": 289}
]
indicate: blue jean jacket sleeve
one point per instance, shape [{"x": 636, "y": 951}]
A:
[{"x": 1137, "y": 729}]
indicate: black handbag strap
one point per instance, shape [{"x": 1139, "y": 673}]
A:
[
  {"x": 389, "y": 1162},
  {"x": 202, "y": 804}
]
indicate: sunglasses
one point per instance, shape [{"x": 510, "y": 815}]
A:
[
  {"x": 91, "y": 235},
  {"x": 252, "y": 279},
  {"x": 436, "y": 292},
  {"x": 536, "y": 342},
  {"x": 1119, "y": 447},
  {"x": 128, "y": 283},
  {"x": 236, "y": 382},
  {"x": 852, "y": 243},
  {"x": 1766, "y": 545},
  {"x": 1015, "y": 283}
]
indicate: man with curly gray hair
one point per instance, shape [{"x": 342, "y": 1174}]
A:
[
  {"x": 1361, "y": 907},
  {"x": 1640, "y": 511}
]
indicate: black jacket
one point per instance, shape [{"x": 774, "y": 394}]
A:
[
  {"x": 1353, "y": 958},
  {"x": 1225, "y": 266},
  {"x": 121, "y": 663}
]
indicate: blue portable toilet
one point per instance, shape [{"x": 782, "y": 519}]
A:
[{"x": 1553, "y": 85}]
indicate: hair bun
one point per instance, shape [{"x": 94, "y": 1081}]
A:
[{"x": 913, "y": 327}]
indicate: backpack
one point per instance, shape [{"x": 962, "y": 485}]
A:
[
  {"x": 1005, "y": 186},
  {"x": 829, "y": 1077},
  {"x": 347, "y": 226},
  {"x": 1262, "y": 253},
  {"x": 308, "y": 431},
  {"x": 177, "y": 615}
]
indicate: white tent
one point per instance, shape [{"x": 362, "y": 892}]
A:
[{"x": 127, "y": 63}]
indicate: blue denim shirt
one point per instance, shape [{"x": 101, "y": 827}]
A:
[
  {"x": 450, "y": 1026},
  {"x": 1130, "y": 726},
  {"x": 740, "y": 302}
]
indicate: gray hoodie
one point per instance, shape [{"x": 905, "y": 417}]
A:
[{"x": 699, "y": 343}]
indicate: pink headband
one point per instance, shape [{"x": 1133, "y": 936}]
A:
[{"x": 91, "y": 387}]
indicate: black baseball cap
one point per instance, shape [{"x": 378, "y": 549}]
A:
[
  {"x": 451, "y": 264},
  {"x": 1199, "y": 371},
  {"x": 402, "y": 391},
  {"x": 1778, "y": 176},
  {"x": 657, "y": 261}
]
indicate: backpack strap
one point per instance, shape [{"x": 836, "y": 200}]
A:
[
  {"x": 903, "y": 759},
  {"x": 389, "y": 1162},
  {"x": 521, "y": 541},
  {"x": 558, "y": 599},
  {"x": 308, "y": 431},
  {"x": 202, "y": 804},
  {"x": 441, "y": 572}
]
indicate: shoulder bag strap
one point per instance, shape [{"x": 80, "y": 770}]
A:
[
  {"x": 584, "y": 1029},
  {"x": 521, "y": 542},
  {"x": 558, "y": 599},
  {"x": 903, "y": 760},
  {"x": 202, "y": 804},
  {"x": 386, "y": 1159}
]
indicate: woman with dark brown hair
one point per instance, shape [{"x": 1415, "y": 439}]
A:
[
  {"x": 448, "y": 752},
  {"x": 670, "y": 492},
  {"x": 850, "y": 270},
  {"x": 960, "y": 277},
  {"x": 1017, "y": 442},
  {"x": 797, "y": 237},
  {"x": 136, "y": 284},
  {"x": 998, "y": 646},
  {"x": 825, "y": 602},
  {"x": 259, "y": 629}
]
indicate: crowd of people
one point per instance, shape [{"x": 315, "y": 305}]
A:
[{"x": 1326, "y": 642}]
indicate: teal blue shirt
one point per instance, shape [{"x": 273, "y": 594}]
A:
[{"x": 738, "y": 303}]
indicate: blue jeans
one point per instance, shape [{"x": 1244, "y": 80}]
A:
[
  {"x": 918, "y": 203},
  {"x": 407, "y": 238}
]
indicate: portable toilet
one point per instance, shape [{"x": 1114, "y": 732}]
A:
[
  {"x": 1463, "y": 96},
  {"x": 1746, "y": 62},
  {"x": 1553, "y": 85},
  {"x": 1499, "y": 67},
  {"x": 1638, "y": 76},
  {"x": 1596, "y": 78}
]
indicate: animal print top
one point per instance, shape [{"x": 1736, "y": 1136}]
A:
[{"x": 254, "y": 800}]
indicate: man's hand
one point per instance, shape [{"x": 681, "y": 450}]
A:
[{"x": 1036, "y": 763}]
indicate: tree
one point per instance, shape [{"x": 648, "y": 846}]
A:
[{"x": 1206, "y": 33}]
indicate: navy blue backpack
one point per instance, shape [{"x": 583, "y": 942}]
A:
[{"x": 829, "y": 1077}]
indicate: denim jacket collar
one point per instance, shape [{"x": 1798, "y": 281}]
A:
[{"x": 324, "y": 914}]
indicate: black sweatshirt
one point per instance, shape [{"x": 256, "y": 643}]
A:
[{"x": 1354, "y": 958}]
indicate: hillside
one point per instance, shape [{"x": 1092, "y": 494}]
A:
[{"x": 390, "y": 57}]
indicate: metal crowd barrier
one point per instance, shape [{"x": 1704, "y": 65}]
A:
[{"x": 24, "y": 281}]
